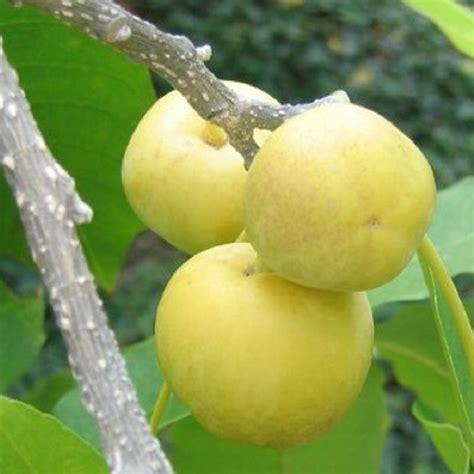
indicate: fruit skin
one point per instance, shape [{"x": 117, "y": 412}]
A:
[
  {"x": 181, "y": 176},
  {"x": 338, "y": 198},
  {"x": 256, "y": 358}
]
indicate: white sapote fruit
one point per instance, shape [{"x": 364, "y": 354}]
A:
[
  {"x": 338, "y": 198},
  {"x": 182, "y": 177},
  {"x": 256, "y": 358}
]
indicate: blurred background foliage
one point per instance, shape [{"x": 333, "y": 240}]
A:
[{"x": 386, "y": 56}]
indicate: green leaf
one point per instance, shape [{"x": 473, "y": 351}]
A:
[
  {"x": 32, "y": 442},
  {"x": 87, "y": 99},
  {"x": 354, "y": 445},
  {"x": 455, "y": 334},
  {"x": 48, "y": 392},
  {"x": 147, "y": 379},
  {"x": 195, "y": 451},
  {"x": 410, "y": 341},
  {"x": 454, "y": 20},
  {"x": 21, "y": 333},
  {"x": 446, "y": 437},
  {"x": 452, "y": 231}
]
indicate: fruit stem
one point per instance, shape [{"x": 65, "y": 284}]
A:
[
  {"x": 432, "y": 263},
  {"x": 282, "y": 461},
  {"x": 242, "y": 237},
  {"x": 159, "y": 407}
]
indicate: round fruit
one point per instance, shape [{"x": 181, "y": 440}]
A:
[
  {"x": 256, "y": 358},
  {"x": 338, "y": 198},
  {"x": 183, "y": 178}
]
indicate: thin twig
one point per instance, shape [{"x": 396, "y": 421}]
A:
[
  {"x": 49, "y": 208},
  {"x": 159, "y": 407},
  {"x": 178, "y": 61}
]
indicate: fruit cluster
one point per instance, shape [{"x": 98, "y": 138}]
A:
[{"x": 269, "y": 341}]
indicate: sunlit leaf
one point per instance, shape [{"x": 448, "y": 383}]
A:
[
  {"x": 454, "y": 20},
  {"x": 410, "y": 341},
  {"x": 34, "y": 443},
  {"x": 455, "y": 335},
  {"x": 446, "y": 437}
]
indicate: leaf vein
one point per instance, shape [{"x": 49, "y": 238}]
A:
[{"x": 410, "y": 354}]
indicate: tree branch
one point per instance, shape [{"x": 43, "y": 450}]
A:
[
  {"x": 178, "y": 61},
  {"x": 49, "y": 207}
]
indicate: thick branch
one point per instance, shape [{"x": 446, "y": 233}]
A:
[
  {"x": 178, "y": 61},
  {"x": 49, "y": 207}
]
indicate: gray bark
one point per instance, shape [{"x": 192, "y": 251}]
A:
[{"x": 49, "y": 208}]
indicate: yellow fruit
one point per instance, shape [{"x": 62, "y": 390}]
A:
[
  {"x": 256, "y": 358},
  {"x": 338, "y": 198},
  {"x": 183, "y": 178}
]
